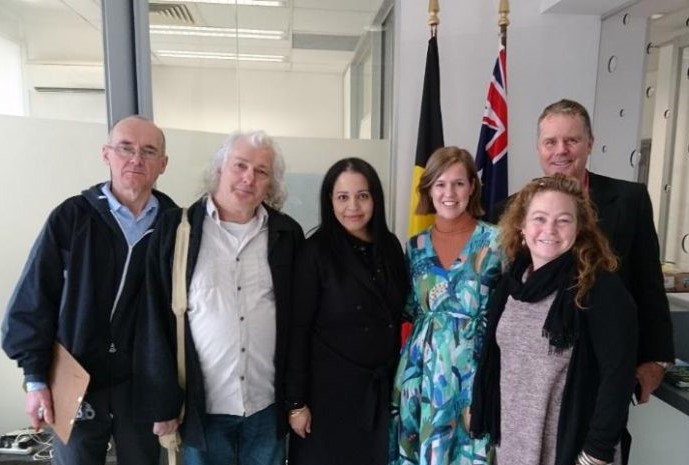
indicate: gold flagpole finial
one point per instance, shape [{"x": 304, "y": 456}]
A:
[
  {"x": 504, "y": 11},
  {"x": 433, "y": 9}
]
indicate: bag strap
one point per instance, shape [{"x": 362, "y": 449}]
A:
[
  {"x": 172, "y": 441},
  {"x": 179, "y": 295}
]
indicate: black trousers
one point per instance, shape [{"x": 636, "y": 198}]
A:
[{"x": 107, "y": 413}]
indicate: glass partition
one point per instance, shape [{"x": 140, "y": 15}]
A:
[
  {"x": 43, "y": 74},
  {"x": 307, "y": 72}
]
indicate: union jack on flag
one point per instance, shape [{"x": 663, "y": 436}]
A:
[{"x": 491, "y": 154}]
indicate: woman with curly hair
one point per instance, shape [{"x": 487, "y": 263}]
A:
[{"x": 557, "y": 370}]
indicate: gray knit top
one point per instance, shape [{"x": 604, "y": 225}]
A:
[{"x": 532, "y": 380}]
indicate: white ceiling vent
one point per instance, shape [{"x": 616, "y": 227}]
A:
[{"x": 177, "y": 13}]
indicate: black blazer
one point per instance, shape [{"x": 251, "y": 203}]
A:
[{"x": 625, "y": 215}]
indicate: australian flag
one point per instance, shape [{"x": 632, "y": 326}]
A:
[{"x": 491, "y": 154}]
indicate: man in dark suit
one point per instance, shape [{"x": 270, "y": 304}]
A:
[
  {"x": 565, "y": 140},
  {"x": 625, "y": 215}
]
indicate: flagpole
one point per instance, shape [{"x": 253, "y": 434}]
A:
[
  {"x": 503, "y": 21},
  {"x": 433, "y": 20},
  {"x": 491, "y": 153}
]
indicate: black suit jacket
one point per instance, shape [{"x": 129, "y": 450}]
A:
[{"x": 625, "y": 216}]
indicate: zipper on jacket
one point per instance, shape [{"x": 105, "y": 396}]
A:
[{"x": 123, "y": 278}]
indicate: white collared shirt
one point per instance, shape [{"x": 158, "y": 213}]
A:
[{"x": 232, "y": 314}]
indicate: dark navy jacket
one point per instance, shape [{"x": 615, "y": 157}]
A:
[{"x": 80, "y": 286}]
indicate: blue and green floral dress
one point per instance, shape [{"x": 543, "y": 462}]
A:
[{"x": 432, "y": 391}]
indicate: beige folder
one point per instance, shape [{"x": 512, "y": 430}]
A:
[{"x": 68, "y": 382}]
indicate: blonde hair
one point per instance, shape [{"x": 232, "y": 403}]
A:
[{"x": 591, "y": 248}]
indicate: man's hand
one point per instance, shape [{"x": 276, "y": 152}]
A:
[
  {"x": 649, "y": 375},
  {"x": 300, "y": 421},
  {"x": 161, "y": 428},
  {"x": 39, "y": 407}
]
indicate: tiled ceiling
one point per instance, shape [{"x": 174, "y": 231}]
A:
[{"x": 317, "y": 35}]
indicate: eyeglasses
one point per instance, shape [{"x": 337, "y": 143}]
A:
[{"x": 129, "y": 151}]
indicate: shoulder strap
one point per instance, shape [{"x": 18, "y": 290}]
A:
[
  {"x": 179, "y": 292},
  {"x": 172, "y": 441}
]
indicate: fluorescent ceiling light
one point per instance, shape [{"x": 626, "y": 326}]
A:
[
  {"x": 657, "y": 16},
  {"x": 220, "y": 56},
  {"x": 234, "y": 2},
  {"x": 206, "y": 31}
]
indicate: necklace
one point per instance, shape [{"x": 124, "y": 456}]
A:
[
  {"x": 455, "y": 228},
  {"x": 454, "y": 232}
]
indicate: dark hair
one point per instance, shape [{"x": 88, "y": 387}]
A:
[
  {"x": 569, "y": 108},
  {"x": 442, "y": 159},
  {"x": 591, "y": 248},
  {"x": 332, "y": 236},
  {"x": 330, "y": 226}
]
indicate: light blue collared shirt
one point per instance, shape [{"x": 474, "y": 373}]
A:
[{"x": 132, "y": 227}]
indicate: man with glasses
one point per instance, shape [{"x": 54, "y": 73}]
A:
[
  {"x": 240, "y": 272},
  {"x": 81, "y": 286}
]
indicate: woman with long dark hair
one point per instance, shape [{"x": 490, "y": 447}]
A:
[{"x": 351, "y": 284}]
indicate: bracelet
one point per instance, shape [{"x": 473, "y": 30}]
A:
[
  {"x": 585, "y": 459},
  {"x": 296, "y": 411}
]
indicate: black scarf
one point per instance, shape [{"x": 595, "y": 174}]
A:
[
  {"x": 561, "y": 324},
  {"x": 561, "y": 327}
]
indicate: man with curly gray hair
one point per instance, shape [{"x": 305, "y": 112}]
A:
[{"x": 240, "y": 271}]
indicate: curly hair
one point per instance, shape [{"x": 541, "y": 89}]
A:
[
  {"x": 591, "y": 248},
  {"x": 257, "y": 139}
]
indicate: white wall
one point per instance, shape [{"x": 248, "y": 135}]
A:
[
  {"x": 618, "y": 110},
  {"x": 87, "y": 104},
  {"x": 214, "y": 100},
  {"x": 659, "y": 434},
  {"x": 11, "y": 88},
  {"x": 44, "y": 162},
  {"x": 549, "y": 56}
]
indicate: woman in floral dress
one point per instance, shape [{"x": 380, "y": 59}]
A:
[{"x": 454, "y": 266}]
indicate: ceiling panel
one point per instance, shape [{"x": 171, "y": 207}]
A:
[{"x": 324, "y": 31}]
